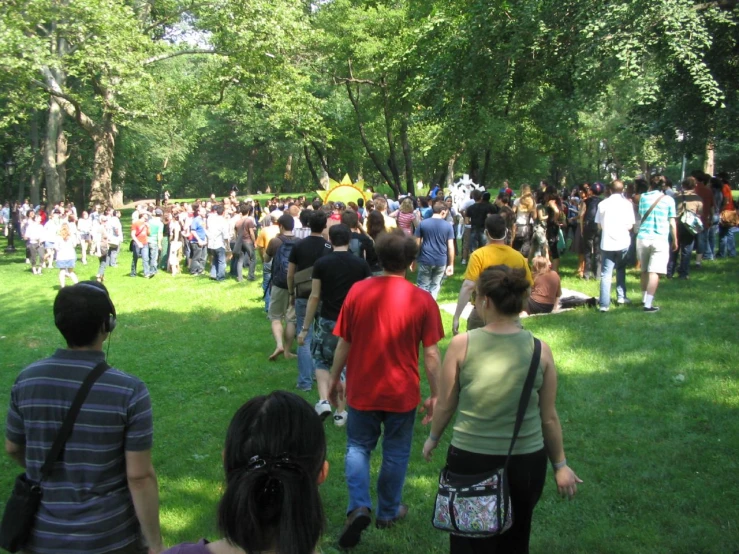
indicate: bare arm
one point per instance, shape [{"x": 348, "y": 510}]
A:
[
  {"x": 291, "y": 268},
  {"x": 16, "y": 451},
  {"x": 552, "y": 428},
  {"x": 142, "y": 483},
  {"x": 450, "y": 257},
  {"x": 673, "y": 228},
  {"x": 311, "y": 309},
  {"x": 335, "y": 385},
  {"x": 464, "y": 297}
]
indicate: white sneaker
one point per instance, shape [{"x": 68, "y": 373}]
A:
[
  {"x": 323, "y": 409},
  {"x": 623, "y": 301},
  {"x": 603, "y": 309},
  {"x": 340, "y": 418}
]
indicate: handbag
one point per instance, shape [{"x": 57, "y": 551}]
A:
[
  {"x": 729, "y": 218},
  {"x": 24, "y": 501},
  {"x": 690, "y": 220},
  {"x": 479, "y": 506},
  {"x": 303, "y": 282},
  {"x": 561, "y": 244}
]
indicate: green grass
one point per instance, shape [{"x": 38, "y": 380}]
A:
[{"x": 657, "y": 452}]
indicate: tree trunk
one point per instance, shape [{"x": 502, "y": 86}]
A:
[
  {"x": 309, "y": 163},
  {"x": 474, "y": 170},
  {"x": 36, "y": 168},
  {"x": 53, "y": 124},
  {"x": 709, "y": 162},
  {"x": 392, "y": 158},
  {"x": 250, "y": 170},
  {"x": 450, "y": 169},
  {"x": 485, "y": 168},
  {"x": 61, "y": 161},
  {"x": 409, "y": 184},
  {"x": 101, "y": 190},
  {"x": 289, "y": 173}
]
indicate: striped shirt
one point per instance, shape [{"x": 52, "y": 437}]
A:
[
  {"x": 86, "y": 505},
  {"x": 657, "y": 225}
]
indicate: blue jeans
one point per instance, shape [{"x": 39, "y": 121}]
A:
[
  {"x": 613, "y": 259},
  {"x": 710, "y": 252},
  {"x": 153, "y": 259},
  {"x": 726, "y": 242},
  {"x": 218, "y": 264},
  {"x": 477, "y": 239},
  {"x": 363, "y": 429},
  {"x": 266, "y": 274},
  {"x": 305, "y": 360},
  {"x": 430, "y": 278},
  {"x": 142, "y": 253}
]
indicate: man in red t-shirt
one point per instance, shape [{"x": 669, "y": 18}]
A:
[
  {"x": 381, "y": 325},
  {"x": 140, "y": 237}
]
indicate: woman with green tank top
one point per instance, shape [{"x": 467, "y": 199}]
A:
[{"x": 481, "y": 381}]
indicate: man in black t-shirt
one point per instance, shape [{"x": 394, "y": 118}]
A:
[
  {"x": 333, "y": 276},
  {"x": 477, "y": 214},
  {"x": 302, "y": 258}
]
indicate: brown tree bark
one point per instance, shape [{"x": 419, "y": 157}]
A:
[
  {"x": 709, "y": 164},
  {"x": 311, "y": 168},
  {"x": 485, "y": 168},
  {"x": 409, "y": 184},
  {"x": 62, "y": 155},
  {"x": 53, "y": 126},
  {"x": 392, "y": 158},
  {"x": 36, "y": 167}
]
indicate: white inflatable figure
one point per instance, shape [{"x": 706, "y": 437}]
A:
[{"x": 460, "y": 192}]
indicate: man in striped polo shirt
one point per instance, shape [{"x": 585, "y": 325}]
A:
[
  {"x": 656, "y": 230},
  {"x": 102, "y": 493}
]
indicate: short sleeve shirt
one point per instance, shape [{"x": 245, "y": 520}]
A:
[
  {"x": 495, "y": 254},
  {"x": 436, "y": 233},
  {"x": 338, "y": 272},
  {"x": 86, "y": 505},
  {"x": 382, "y": 367},
  {"x": 657, "y": 225}
]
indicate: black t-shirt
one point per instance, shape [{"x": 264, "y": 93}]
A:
[
  {"x": 306, "y": 251},
  {"x": 591, "y": 209},
  {"x": 478, "y": 213},
  {"x": 337, "y": 273}
]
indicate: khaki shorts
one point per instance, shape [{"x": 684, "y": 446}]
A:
[
  {"x": 653, "y": 254},
  {"x": 279, "y": 306}
]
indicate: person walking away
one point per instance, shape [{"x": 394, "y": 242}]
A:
[
  {"x": 590, "y": 232},
  {"x": 435, "y": 238},
  {"x": 218, "y": 236},
  {"x": 383, "y": 389},
  {"x": 481, "y": 381},
  {"x": 333, "y": 276},
  {"x": 101, "y": 495},
  {"x": 269, "y": 230},
  {"x": 302, "y": 259},
  {"x": 281, "y": 304},
  {"x": 496, "y": 252},
  {"x": 246, "y": 229},
  {"x": 653, "y": 243},
  {"x": 687, "y": 202},
  {"x": 66, "y": 255},
  {"x": 706, "y": 215},
  {"x": 198, "y": 242},
  {"x": 615, "y": 219},
  {"x": 140, "y": 237}
]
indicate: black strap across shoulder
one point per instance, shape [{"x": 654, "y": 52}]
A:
[
  {"x": 525, "y": 395},
  {"x": 71, "y": 417}
]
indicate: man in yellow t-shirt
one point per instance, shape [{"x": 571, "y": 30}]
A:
[
  {"x": 496, "y": 252},
  {"x": 266, "y": 234}
]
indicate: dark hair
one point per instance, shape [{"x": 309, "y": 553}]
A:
[
  {"x": 656, "y": 182},
  {"x": 506, "y": 287},
  {"x": 689, "y": 183},
  {"x": 375, "y": 224},
  {"x": 476, "y": 195},
  {"x": 317, "y": 203},
  {"x": 218, "y": 208},
  {"x": 274, "y": 453},
  {"x": 317, "y": 221},
  {"x": 360, "y": 202},
  {"x": 486, "y": 196},
  {"x": 304, "y": 217},
  {"x": 80, "y": 313},
  {"x": 495, "y": 226},
  {"x": 339, "y": 234},
  {"x": 716, "y": 183},
  {"x": 439, "y": 206},
  {"x": 396, "y": 250},
  {"x": 350, "y": 219},
  {"x": 287, "y": 222}
]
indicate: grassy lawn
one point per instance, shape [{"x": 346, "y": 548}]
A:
[{"x": 649, "y": 404}]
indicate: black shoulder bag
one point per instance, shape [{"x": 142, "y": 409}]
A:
[
  {"x": 21, "y": 508},
  {"x": 480, "y": 505}
]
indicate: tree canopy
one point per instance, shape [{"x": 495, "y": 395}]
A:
[{"x": 100, "y": 96}]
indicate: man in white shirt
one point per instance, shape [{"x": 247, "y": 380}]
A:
[
  {"x": 615, "y": 219},
  {"x": 218, "y": 237}
]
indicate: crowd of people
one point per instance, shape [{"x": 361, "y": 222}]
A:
[{"x": 333, "y": 278}]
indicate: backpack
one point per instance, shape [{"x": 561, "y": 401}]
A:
[{"x": 280, "y": 263}]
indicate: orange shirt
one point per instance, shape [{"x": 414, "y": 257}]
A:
[{"x": 141, "y": 230}]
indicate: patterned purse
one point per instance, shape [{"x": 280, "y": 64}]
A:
[{"x": 480, "y": 505}]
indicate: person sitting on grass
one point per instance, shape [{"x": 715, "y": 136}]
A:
[
  {"x": 546, "y": 291},
  {"x": 274, "y": 460}
]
